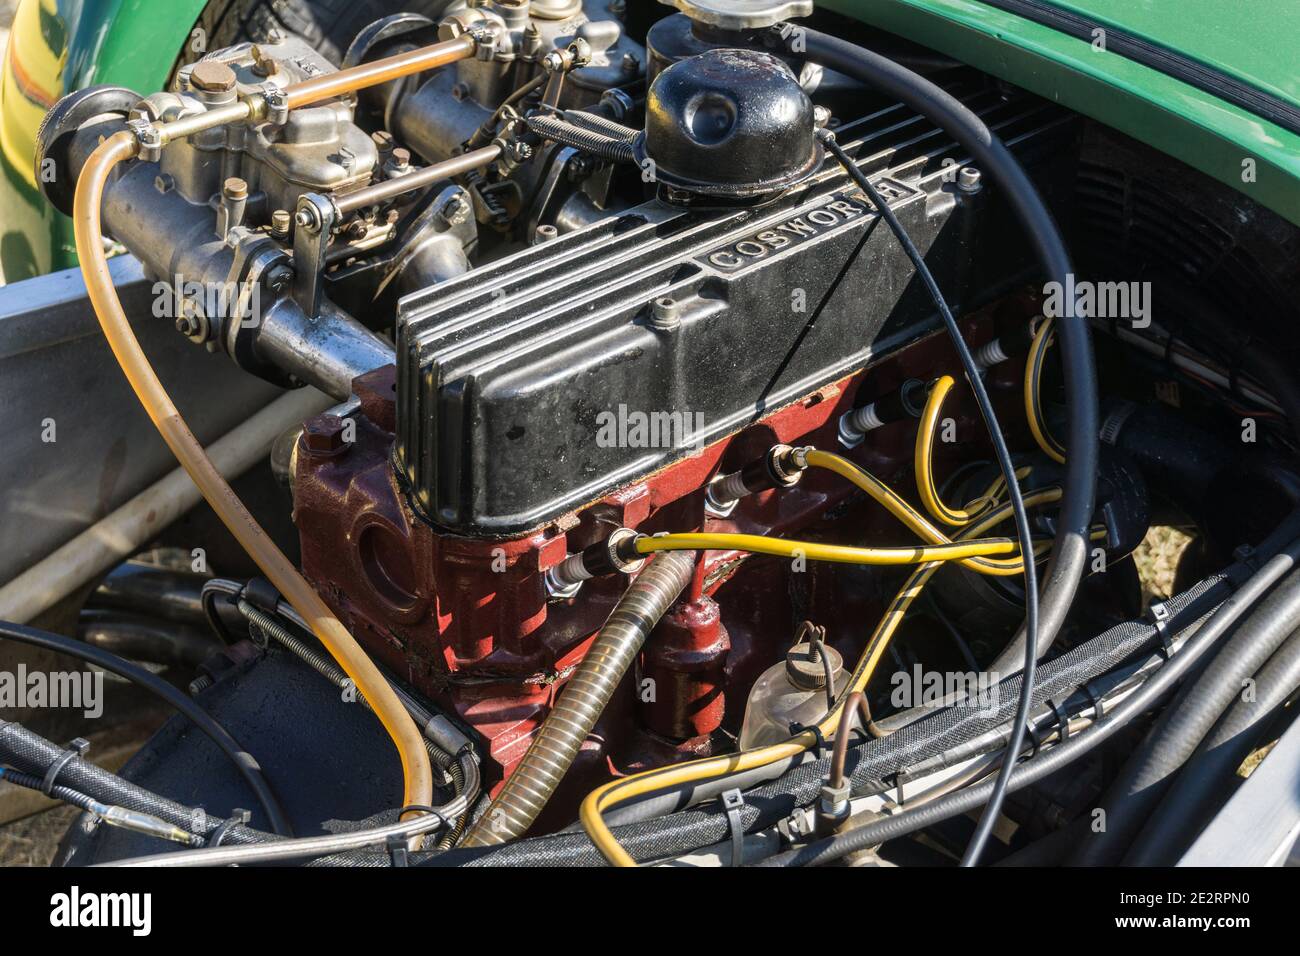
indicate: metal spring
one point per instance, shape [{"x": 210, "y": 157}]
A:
[{"x": 589, "y": 141}]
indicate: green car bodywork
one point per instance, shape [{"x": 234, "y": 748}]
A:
[
  {"x": 55, "y": 47},
  {"x": 1069, "y": 51}
]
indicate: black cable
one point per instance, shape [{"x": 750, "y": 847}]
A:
[
  {"x": 1008, "y": 468},
  {"x": 244, "y": 762},
  {"x": 1070, "y": 549},
  {"x": 1048, "y": 762}
]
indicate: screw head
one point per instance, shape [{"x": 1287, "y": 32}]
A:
[{"x": 234, "y": 188}]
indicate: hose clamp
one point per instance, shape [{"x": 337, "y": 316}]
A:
[
  {"x": 238, "y": 817},
  {"x": 733, "y": 802},
  {"x": 77, "y": 748}
]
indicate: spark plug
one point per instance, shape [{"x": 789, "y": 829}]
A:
[
  {"x": 617, "y": 554},
  {"x": 1013, "y": 343},
  {"x": 780, "y": 467},
  {"x": 907, "y": 402}
]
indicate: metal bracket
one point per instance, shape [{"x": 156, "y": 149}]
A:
[{"x": 316, "y": 216}]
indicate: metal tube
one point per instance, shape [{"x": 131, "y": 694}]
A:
[
  {"x": 585, "y": 697},
  {"x": 380, "y": 71},
  {"x": 217, "y": 116},
  {"x": 390, "y": 189}
]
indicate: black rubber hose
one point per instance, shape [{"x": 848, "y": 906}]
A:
[
  {"x": 1200, "y": 787},
  {"x": 244, "y": 762},
  {"x": 1070, "y": 549},
  {"x": 1150, "y": 769},
  {"x": 1036, "y": 768},
  {"x": 21, "y": 747}
]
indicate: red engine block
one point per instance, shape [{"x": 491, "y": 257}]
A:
[{"x": 467, "y": 621}]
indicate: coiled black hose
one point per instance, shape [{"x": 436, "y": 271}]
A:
[
  {"x": 1195, "y": 794},
  {"x": 1150, "y": 769},
  {"x": 244, "y": 762}
]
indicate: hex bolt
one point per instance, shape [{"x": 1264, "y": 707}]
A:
[
  {"x": 631, "y": 64},
  {"x": 323, "y": 435},
  {"x": 212, "y": 76}
]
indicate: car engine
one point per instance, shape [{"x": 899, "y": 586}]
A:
[{"x": 647, "y": 490}]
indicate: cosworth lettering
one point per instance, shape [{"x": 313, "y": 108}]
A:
[{"x": 800, "y": 228}]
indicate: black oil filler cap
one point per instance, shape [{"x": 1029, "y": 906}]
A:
[{"x": 729, "y": 124}]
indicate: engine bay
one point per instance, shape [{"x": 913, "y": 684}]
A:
[{"x": 685, "y": 389}]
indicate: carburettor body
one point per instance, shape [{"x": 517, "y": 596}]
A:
[
  {"x": 456, "y": 101},
  {"x": 317, "y": 149}
]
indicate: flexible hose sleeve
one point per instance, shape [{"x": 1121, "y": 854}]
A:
[
  {"x": 1206, "y": 777},
  {"x": 144, "y": 381},
  {"x": 584, "y": 698},
  {"x": 1150, "y": 769}
]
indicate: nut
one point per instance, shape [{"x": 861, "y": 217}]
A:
[{"x": 323, "y": 435}]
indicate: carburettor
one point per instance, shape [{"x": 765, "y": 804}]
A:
[
  {"x": 530, "y": 40},
  {"x": 316, "y": 149}
]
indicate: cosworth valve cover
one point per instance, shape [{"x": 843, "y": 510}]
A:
[{"x": 537, "y": 383}]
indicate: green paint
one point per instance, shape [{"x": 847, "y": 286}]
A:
[{"x": 1177, "y": 119}]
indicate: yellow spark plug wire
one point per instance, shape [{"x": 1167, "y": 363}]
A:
[
  {"x": 1038, "y": 427},
  {"x": 814, "y": 551},
  {"x": 885, "y": 496}
]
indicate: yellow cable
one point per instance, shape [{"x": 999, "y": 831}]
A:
[
  {"x": 282, "y": 573},
  {"x": 1033, "y": 393},
  {"x": 626, "y": 788},
  {"x": 813, "y": 551},
  {"x": 923, "y": 460},
  {"x": 904, "y": 512}
]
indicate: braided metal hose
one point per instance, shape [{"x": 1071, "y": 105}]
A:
[
  {"x": 318, "y": 662},
  {"x": 587, "y": 140},
  {"x": 584, "y": 698}
]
